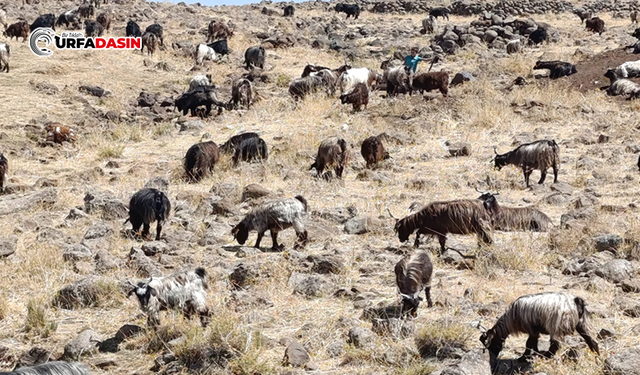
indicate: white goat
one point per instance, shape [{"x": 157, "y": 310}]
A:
[
  {"x": 349, "y": 79},
  {"x": 514, "y": 46},
  {"x": 628, "y": 69},
  {"x": 200, "y": 80},
  {"x": 204, "y": 52},
  {"x": 52, "y": 368},
  {"x": 621, "y": 86}
]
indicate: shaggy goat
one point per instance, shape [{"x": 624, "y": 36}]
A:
[
  {"x": 67, "y": 18},
  {"x": 220, "y": 47},
  {"x": 51, "y": 368},
  {"x": 352, "y": 77},
  {"x": 413, "y": 275},
  {"x": 133, "y": 29},
  {"x": 551, "y": 313},
  {"x": 230, "y": 146},
  {"x": 274, "y": 216},
  {"x": 5, "y": 55},
  {"x": 509, "y": 219},
  {"x": 184, "y": 291},
  {"x": 254, "y": 56},
  {"x": 628, "y": 69},
  {"x": 464, "y": 216},
  {"x": 86, "y": 11},
  {"x": 348, "y": 9},
  {"x": 19, "y": 29},
  {"x": 145, "y": 207},
  {"x": 57, "y": 133},
  {"x": 204, "y": 52},
  {"x": 358, "y": 97},
  {"x": 251, "y": 149},
  {"x": 397, "y": 81},
  {"x": 157, "y": 30},
  {"x": 333, "y": 152},
  {"x": 538, "y": 36},
  {"x": 105, "y": 19},
  {"x": 439, "y": 12},
  {"x": 242, "y": 93},
  {"x": 311, "y": 68},
  {"x": 200, "y": 160},
  {"x": 583, "y": 14},
  {"x": 218, "y": 30},
  {"x": 556, "y": 68},
  {"x": 289, "y": 10},
  {"x": 4, "y": 169},
  {"x": 373, "y": 151},
  {"x": 202, "y": 96},
  {"x": 44, "y": 21},
  {"x": 431, "y": 81},
  {"x": 200, "y": 80},
  {"x": 94, "y": 29},
  {"x": 299, "y": 88},
  {"x": 149, "y": 40},
  {"x": 514, "y": 46},
  {"x": 429, "y": 25},
  {"x": 595, "y": 25},
  {"x": 538, "y": 155},
  {"x": 621, "y": 86}
]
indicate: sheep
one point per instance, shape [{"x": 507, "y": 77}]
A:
[
  {"x": 242, "y": 93},
  {"x": 44, "y": 21},
  {"x": 351, "y": 10},
  {"x": 157, "y": 30},
  {"x": 464, "y": 216},
  {"x": 439, "y": 12},
  {"x": 413, "y": 275},
  {"x": 514, "y": 46},
  {"x": 595, "y": 25},
  {"x": 275, "y": 216},
  {"x": 552, "y": 313},
  {"x": 538, "y": 36},
  {"x": 634, "y": 16},
  {"x": 333, "y": 152},
  {"x": 202, "y": 96},
  {"x": 509, "y": 219},
  {"x": 5, "y": 54},
  {"x": 299, "y": 88},
  {"x": 86, "y": 11},
  {"x": 133, "y": 30},
  {"x": 429, "y": 25},
  {"x": 51, "y": 368},
  {"x": 628, "y": 69},
  {"x": 352, "y": 77},
  {"x": 200, "y": 80},
  {"x": 93, "y": 29},
  {"x": 149, "y": 40},
  {"x": 397, "y": 80},
  {"x": 220, "y": 47},
  {"x": 431, "y": 81},
  {"x": 105, "y": 19},
  {"x": 218, "y": 30},
  {"x": 4, "y": 169},
  {"x": 200, "y": 160},
  {"x": 289, "y": 10},
  {"x": 204, "y": 52},
  {"x": 184, "y": 291},
  {"x": 18, "y": 30},
  {"x": 145, "y": 207},
  {"x": 230, "y": 146},
  {"x": 538, "y": 155},
  {"x": 57, "y": 133},
  {"x": 311, "y": 68},
  {"x": 556, "y": 68},
  {"x": 251, "y": 149},
  {"x": 254, "y": 56},
  {"x": 67, "y": 18},
  {"x": 583, "y": 14},
  {"x": 373, "y": 151},
  {"x": 621, "y": 86},
  {"x": 358, "y": 97}
]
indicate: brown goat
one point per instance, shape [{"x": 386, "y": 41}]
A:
[
  {"x": 200, "y": 160},
  {"x": 149, "y": 40},
  {"x": 105, "y": 20},
  {"x": 333, "y": 152},
  {"x": 595, "y": 24},
  {"x": 540, "y": 155},
  {"x": 4, "y": 169},
  {"x": 241, "y": 93},
  {"x": 358, "y": 97},
  {"x": 431, "y": 81},
  {"x": 18, "y": 30},
  {"x": 58, "y": 133},
  {"x": 373, "y": 151},
  {"x": 464, "y": 216},
  {"x": 508, "y": 219},
  {"x": 218, "y": 30},
  {"x": 413, "y": 275}
]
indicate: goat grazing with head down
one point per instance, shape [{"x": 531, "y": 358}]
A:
[
  {"x": 358, "y": 97},
  {"x": 230, "y": 146},
  {"x": 242, "y": 93},
  {"x": 553, "y": 314},
  {"x": 251, "y": 149},
  {"x": 333, "y": 152},
  {"x": 311, "y": 68},
  {"x": 200, "y": 160},
  {"x": 145, "y": 207},
  {"x": 413, "y": 275},
  {"x": 274, "y": 216},
  {"x": 540, "y": 155},
  {"x": 509, "y": 219},
  {"x": 373, "y": 151}
]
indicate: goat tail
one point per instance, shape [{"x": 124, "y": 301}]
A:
[
  {"x": 302, "y": 200},
  {"x": 201, "y": 272}
]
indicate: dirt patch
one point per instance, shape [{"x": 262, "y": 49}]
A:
[{"x": 591, "y": 71}]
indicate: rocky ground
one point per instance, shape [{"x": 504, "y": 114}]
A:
[{"x": 330, "y": 308}]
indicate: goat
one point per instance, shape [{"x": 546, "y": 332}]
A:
[
  {"x": 551, "y": 313},
  {"x": 5, "y": 55},
  {"x": 157, "y": 30},
  {"x": 4, "y": 169},
  {"x": 269, "y": 12},
  {"x": 220, "y": 47},
  {"x": 274, "y": 216},
  {"x": 373, "y": 151},
  {"x": 202, "y": 96},
  {"x": 431, "y": 81},
  {"x": 464, "y": 216},
  {"x": 145, "y": 207},
  {"x": 538, "y": 155},
  {"x": 311, "y": 68},
  {"x": 621, "y": 86},
  {"x": 200, "y": 80},
  {"x": 218, "y": 30},
  {"x": 397, "y": 80},
  {"x": 232, "y": 144},
  {"x": 333, "y": 152},
  {"x": 19, "y": 29},
  {"x": 509, "y": 219},
  {"x": 351, "y": 10},
  {"x": 250, "y": 149},
  {"x": 556, "y": 68},
  {"x": 254, "y": 56},
  {"x": 105, "y": 19},
  {"x": 595, "y": 25},
  {"x": 289, "y": 10},
  {"x": 299, "y": 88},
  {"x": 58, "y": 133},
  {"x": 352, "y": 77},
  {"x": 44, "y": 21},
  {"x": 51, "y": 368},
  {"x": 634, "y": 16},
  {"x": 184, "y": 291},
  {"x": 329, "y": 78},
  {"x": 583, "y": 14},
  {"x": 133, "y": 30},
  {"x": 413, "y": 275},
  {"x": 149, "y": 40},
  {"x": 358, "y": 97},
  {"x": 241, "y": 93},
  {"x": 204, "y": 52},
  {"x": 429, "y": 25},
  {"x": 200, "y": 160},
  {"x": 86, "y": 11},
  {"x": 93, "y": 28},
  {"x": 628, "y": 69},
  {"x": 514, "y": 46},
  {"x": 440, "y": 12},
  {"x": 538, "y": 36},
  {"x": 67, "y": 18}
]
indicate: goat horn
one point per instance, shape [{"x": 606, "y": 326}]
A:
[
  {"x": 479, "y": 190},
  {"x": 390, "y": 214},
  {"x": 495, "y": 150}
]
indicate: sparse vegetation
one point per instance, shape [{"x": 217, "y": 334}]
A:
[{"x": 37, "y": 321}]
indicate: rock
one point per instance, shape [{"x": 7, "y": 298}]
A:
[
  {"x": 456, "y": 259},
  {"x": 192, "y": 125},
  {"x": 84, "y": 343},
  {"x": 160, "y": 183},
  {"x": 216, "y": 206},
  {"x": 394, "y": 327},
  {"x": 361, "y": 225},
  {"x": 474, "y": 362},
  {"x": 623, "y": 362},
  {"x": 243, "y": 276},
  {"x": 8, "y": 245},
  {"x": 34, "y": 356},
  {"x": 338, "y": 215},
  {"x": 76, "y": 214},
  {"x": 77, "y": 252},
  {"x": 155, "y": 247},
  {"x": 562, "y": 187},
  {"x": 254, "y": 191},
  {"x": 128, "y": 331},
  {"x": 616, "y": 270},
  {"x": 326, "y": 264},
  {"x": 295, "y": 355},
  {"x": 360, "y": 337},
  {"x": 105, "y": 261},
  {"x": 86, "y": 292},
  {"x": 104, "y": 205},
  {"x": 98, "y": 236},
  {"x": 11, "y": 204},
  {"x": 143, "y": 265},
  {"x": 578, "y": 266},
  {"x": 309, "y": 285},
  {"x": 609, "y": 242},
  {"x": 225, "y": 189},
  {"x": 629, "y": 306},
  {"x": 462, "y": 77},
  {"x": 630, "y": 286},
  {"x": 94, "y": 90}
]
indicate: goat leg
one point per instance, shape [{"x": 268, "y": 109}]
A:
[
  {"x": 274, "y": 241},
  {"x": 543, "y": 176},
  {"x": 427, "y": 292},
  {"x": 158, "y": 230},
  {"x": 555, "y": 173},
  {"x": 260, "y": 235},
  {"x": 443, "y": 240},
  {"x": 145, "y": 230}
]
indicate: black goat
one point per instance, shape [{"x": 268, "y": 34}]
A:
[
  {"x": 45, "y": 20},
  {"x": 4, "y": 169},
  {"x": 220, "y": 47},
  {"x": 251, "y": 149},
  {"x": 133, "y": 30},
  {"x": 556, "y": 68},
  {"x": 440, "y": 12},
  {"x": 145, "y": 207},
  {"x": 348, "y": 9},
  {"x": 157, "y": 30},
  {"x": 254, "y": 56},
  {"x": 230, "y": 146},
  {"x": 202, "y": 96},
  {"x": 289, "y": 10},
  {"x": 538, "y": 36}
]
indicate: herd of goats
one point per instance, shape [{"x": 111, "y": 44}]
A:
[{"x": 551, "y": 313}]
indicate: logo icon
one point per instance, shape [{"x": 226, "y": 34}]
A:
[{"x": 45, "y": 35}]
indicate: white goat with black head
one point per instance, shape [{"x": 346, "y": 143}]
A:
[
  {"x": 51, "y": 368},
  {"x": 553, "y": 314},
  {"x": 413, "y": 275},
  {"x": 184, "y": 291}
]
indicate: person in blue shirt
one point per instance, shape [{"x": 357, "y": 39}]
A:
[{"x": 411, "y": 61}]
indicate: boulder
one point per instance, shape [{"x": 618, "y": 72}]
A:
[
  {"x": 295, "y": 355},
  {"x": 8, "y": 245},
  {"x": 623, "y": 362},
  {"x": 84, "y": 343}
]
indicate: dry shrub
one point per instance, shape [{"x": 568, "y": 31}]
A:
[
  {"x": 36, "y": 321},
  {"x": 437, "y": 337}
]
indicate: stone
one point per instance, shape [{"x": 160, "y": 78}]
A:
[
  {"x": 458, "y": 149},
  {"x": 192, "y": 125},
  {"x": 143, "y": 265},
  {"x": 243, "y": 276},
  {"x": 326, "y": 264},
  {"x": 616, "y": 270},
  {"x": 361, "y": 225},
  {"x": 295, "y": 355},
  {"x": 84, "y": 343},
  {"x": 394, "y": 327},
  {"x": 461, "y": 78},
  {"x": 105, "y": 261},
  {"x": 8, "y": 245},
  {"x": 128, "y": 331},
  {"x": 154, "y": 247},
  {"x": 76, "y": 214},
  {"x": 630, "y": 286},
  {"x": 76, "y": 252},
  {"x": 609, "y": 242},
  {"x": 338, "y": 215},
  {"x": 360, "y": 337},
  {"x": 98, "y": 236},
  {"x": 254, "y": 191},
  {"x": 562, "y": 187},
  {"x": 11, "y": 204},
  {"x": 578, "y": 266},
  {"x": 309, "y": 285},
  {"x": 105, "y": 206},
  {"x": 82, "y": 293},
  {"x": 159, "y": 183},
  {"x": 34, "y": 356},
  {"x": 623, "y": 362},
  {"x": 94, "y": 90}
]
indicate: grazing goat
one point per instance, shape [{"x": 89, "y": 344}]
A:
[
  {"x": 429, "y": 25},
  {"x": 274, "y": 216},
  {"x": 311, "y": 68},
  {"x": 241, "y": 93},
  {"x": 621, "y": 86},
  {"x": 551, "y": 313},
  {"x": 439, "y": 12},
  {"x": 93, "y": 29},
  {"x": 51, "y": 368},
  {"x": 44, "y": 21},
  {"x": 145, "y": 207},
  {"x": 184, "y": 291},
  {"x": 583, "y": 14},
  {"x": 373, "y": 151},
  {"x": 149, "y": 40},
  {"x": 5, "y": 55},
  {"x": 200, "y": 160},
  {"x": 397, "y": 80},
  {"x": 133, "y": 30},
  {"x": 202, "y": 96},
  {"x": 57, "y": 133},
  {"x": 413, "y": 275},
  {"x": 200, "y": 80},
  {"x": 595, "y": 25},
  {"x": 105, "y": 19},
  {"x": 556, "y": 68},
  {"x": 230, "y": 146},
  {"x": 220, "y": 47},
  {"x": 18, "y": 30},
  {"x": 333, "y": 152},
  {"x": 254, "y": 56},
  {"x": 431, "y": 81},
  {"x": 218, "y": 30},
  {"x": 358, "y": 97},
  {"x": 352, "y": 77},
  {"x": 329, "y": 78},
  {"x": 351, "y": 10},
  {"x": 204, "y": 52},
  {"x": 538, "y": 155},
  {"x": 67, "y": 18},
  {"x": 251, "y": 149},
  {"x": 299, "y": 88},
  {"x": 289, "y": 10},
  {"x": 628, "y": 69},
  {"x": 464, "y": 216},
  {"x": 634, "y": 17},
  {"x": 538, "y": 36},
  {"x": 509, "y": 219},
  {"x": 157, "y": 30},
  {"x": 514, "y": 46},
  {"x": 4, "y": 169},
  {"x": 86, "y": 11}
]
